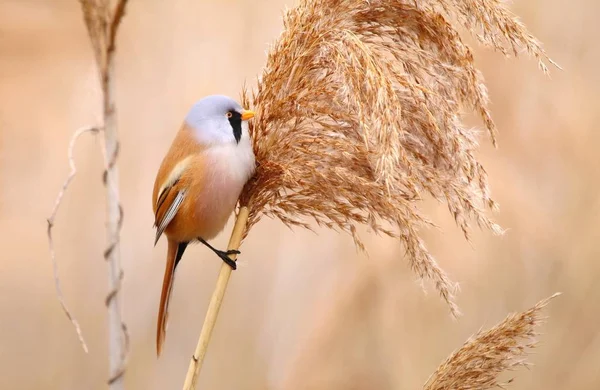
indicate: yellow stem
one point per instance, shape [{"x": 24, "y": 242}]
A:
[{"x": 215, "y": 303}]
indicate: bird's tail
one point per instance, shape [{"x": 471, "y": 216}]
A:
[{"x": 174, "y": 253}]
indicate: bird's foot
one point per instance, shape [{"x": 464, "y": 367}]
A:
[{"x": 224, "y": 255}]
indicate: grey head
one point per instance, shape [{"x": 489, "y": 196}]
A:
[{"x": 218, "y": 119}]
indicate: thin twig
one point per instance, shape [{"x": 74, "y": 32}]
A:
[{"x": 63, "y": 190}]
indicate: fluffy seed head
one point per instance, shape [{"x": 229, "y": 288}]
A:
[{"x": 359, "y": 115}]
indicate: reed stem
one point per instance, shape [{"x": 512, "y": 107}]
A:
[{"x": 215, "y": 303}]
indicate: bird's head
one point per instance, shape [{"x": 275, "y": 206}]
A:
[{"x": 218, "y": 119}]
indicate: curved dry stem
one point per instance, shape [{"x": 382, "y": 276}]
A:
[{"x": 51, "y": 219}]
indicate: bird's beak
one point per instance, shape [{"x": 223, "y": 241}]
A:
[{"x": 247, "y": 114}]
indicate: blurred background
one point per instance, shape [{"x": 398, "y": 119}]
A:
[{"x": 303, "y": 310}]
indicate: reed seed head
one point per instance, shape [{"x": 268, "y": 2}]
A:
[
  {"x": 479, "y": 362},
  {"x": 359, "y": 116}
]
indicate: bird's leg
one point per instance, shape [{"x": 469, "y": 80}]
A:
[{"x": 224, "y": 255}]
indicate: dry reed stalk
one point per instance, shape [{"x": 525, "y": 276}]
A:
[
  {"x": 102, "y": 21},
  {"x": 215, "y": 303},
  {"x": 477, "y": 364},
  {"x": 359, "y": 116}
]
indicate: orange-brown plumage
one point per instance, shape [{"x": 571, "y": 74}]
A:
[
  {"x": 198, "y": 183},
  {"x": 184, "y": 145},
  {"x": 163, "y": 312}
]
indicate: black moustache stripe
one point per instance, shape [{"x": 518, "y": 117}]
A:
[{"x": 236, "y": 124}]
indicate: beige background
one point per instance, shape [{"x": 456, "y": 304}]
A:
[{"x": 299, "y": 301}]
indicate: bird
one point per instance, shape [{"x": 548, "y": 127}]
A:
[{"x": 198, "y": 184}]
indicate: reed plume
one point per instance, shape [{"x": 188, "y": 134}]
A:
[
  {"x": 477, "y": 364},
  {"x": 359, "y": 116}
]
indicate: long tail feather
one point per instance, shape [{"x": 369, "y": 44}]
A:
[{"x": 174, "y": 252}]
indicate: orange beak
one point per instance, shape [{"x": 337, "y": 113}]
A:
[{"x": 247, "y": 114}]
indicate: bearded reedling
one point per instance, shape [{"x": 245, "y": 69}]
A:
[{"x": 198, "y": 184}]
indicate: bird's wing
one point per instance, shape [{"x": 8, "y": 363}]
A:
[
  {"x": 167, "y": 205},
  {"x": 173, "y": 179}
]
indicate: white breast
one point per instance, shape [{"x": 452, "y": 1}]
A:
[{"x": 228, "y": 168}]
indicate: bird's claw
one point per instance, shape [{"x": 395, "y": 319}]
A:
[{"x": 225, "y": 257}]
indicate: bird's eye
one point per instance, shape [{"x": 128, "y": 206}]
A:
[{"x": 229, "y": 114}]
